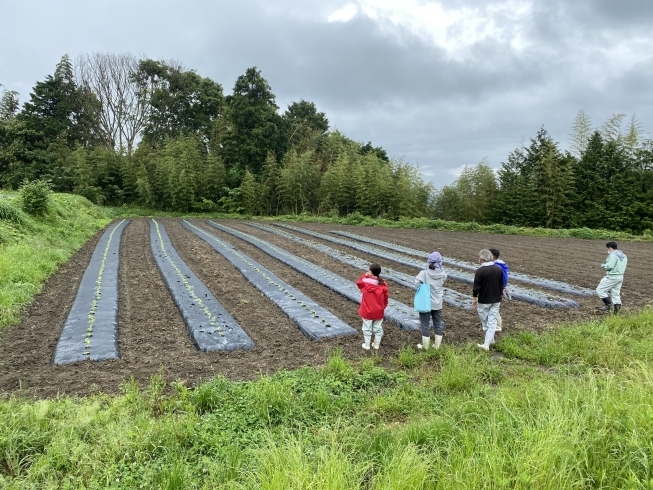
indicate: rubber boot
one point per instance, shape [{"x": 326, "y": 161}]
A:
[
  {"x": 616, "y": 309},
  {"x": 607, "y": 306},
  {"x": 499, "y": 324},
  {"x": 377, "y": 341},
  {"x": 425, "y": 343},
  {"x": 367, "y": 339},
  {"x": 437, "y": 341}
]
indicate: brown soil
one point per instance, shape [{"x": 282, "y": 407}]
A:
[{"x": 153, "y": 338}]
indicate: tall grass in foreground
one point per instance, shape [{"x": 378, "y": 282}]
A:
[
  {"x": 456, "y": 418},
  {"x": 32, "y": 248}
]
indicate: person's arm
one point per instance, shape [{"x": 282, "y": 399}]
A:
[
  {"x": 476, "y": 288},
  {"x": 386, "y": 297},
  {"x": 418, "y": 279},
  {"x": 360, "y": 283},
  {"x": 610, "y": 262}
]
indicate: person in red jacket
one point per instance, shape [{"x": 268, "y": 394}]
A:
[{"x": 373, "y": 304}]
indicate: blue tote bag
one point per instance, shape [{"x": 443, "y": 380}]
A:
[{"x": 422, "y": 302}]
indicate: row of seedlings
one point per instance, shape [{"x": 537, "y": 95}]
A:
[
  {"x": 91, "y": 328},
  {"x": 521, "y": 294},
  {"x": 561, "y": 287},
  {"x": 314, "y": 321},
  {"x": 451, "y": 297},
  {"x": 396, "y": 312},
  {"x": 209, "y": 324}
]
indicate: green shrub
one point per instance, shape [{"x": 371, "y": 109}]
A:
[
  {"x": 10, "y": 213},
  {"x": 35, "y": 196}
]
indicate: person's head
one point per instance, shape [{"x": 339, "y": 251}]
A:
[
  {"x": 611, "y": 246},
  {"x": 375, "y": 270},
  {"x": 495, "y": 253},
  {"x": 434, "y": 260},
  {"x": 485, "y": 256}
]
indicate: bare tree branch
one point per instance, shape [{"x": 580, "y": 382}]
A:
[{"x": 112, "y": 96}]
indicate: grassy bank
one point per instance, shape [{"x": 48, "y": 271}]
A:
[
  {"x": 32, "y": 248},
  {"x": 414, "y": 223},
  {"x": 572, "y": 409}
]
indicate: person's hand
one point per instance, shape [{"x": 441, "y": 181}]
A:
[
  {"x": 602, "y": 266},
  {"x": 474, "y": 303},
  {"x": 368, "y": 274}
]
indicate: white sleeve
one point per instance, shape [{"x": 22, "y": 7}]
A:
[{"x": 419, "y": 280}]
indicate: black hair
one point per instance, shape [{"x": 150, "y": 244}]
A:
[
  {"x": 612, "y": 245},
  {"x": 495, "y": 252},
  {"x": 376, "y": 270}
]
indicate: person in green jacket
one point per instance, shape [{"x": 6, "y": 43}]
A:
[{"x": 610, "y": 285}]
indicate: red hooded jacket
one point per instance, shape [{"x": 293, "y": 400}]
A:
[{"x": 375, "y": 298}]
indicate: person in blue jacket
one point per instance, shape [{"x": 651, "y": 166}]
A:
[{"x": 504, "y": 269}]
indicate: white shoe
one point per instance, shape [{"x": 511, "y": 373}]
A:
[
  {"x": 377, "y": 342},
  {"x": 425, "y": 343},
  {"x": 367, "y": 339},
  {"x": 437, "y": 341},
  {"x": 482, "y": 346}
]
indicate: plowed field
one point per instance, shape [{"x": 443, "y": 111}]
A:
[{"x": 154, "y": 339}]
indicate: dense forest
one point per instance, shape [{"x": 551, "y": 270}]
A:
[
  {"x": 605, "y": 181},
  {"x": 118, "y": 129},
  {"x": 122, "y": 130}
]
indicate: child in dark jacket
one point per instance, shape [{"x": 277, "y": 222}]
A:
[{"x": 373, "y": 304}]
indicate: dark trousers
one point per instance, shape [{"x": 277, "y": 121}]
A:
[{"x": 425, "y": 320}]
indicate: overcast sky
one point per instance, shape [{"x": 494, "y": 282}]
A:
[{"x": 443, "y": 84}]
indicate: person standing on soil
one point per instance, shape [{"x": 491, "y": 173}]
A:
[
  {"x": 373, "y": 304},
  {"x": 504, "y": 291},
  {"x": 610, "y": 285},
  {"x": 486, "y": 295},
  {"x": 435, "y": 276}
]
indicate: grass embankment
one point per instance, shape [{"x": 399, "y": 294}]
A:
[
  {"x": 32, "y": 248},
  {"x": 570, "y": 409},
  {"x": 413, "y": 223}
]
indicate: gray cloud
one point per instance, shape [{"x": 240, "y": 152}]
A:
[{"x": 376, "y": 81}]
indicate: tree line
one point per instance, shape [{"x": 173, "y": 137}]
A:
[
  {"x": 605, "y": 180},
  {"x": 119, "y": 129}
]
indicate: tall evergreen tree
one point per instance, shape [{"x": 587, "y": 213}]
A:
[
  {"x": 253, "y": 126},
  {"x": 605, "y": 193},
  {"x": 55, "y": 109},
  {"x": 535, "y": 184}
]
